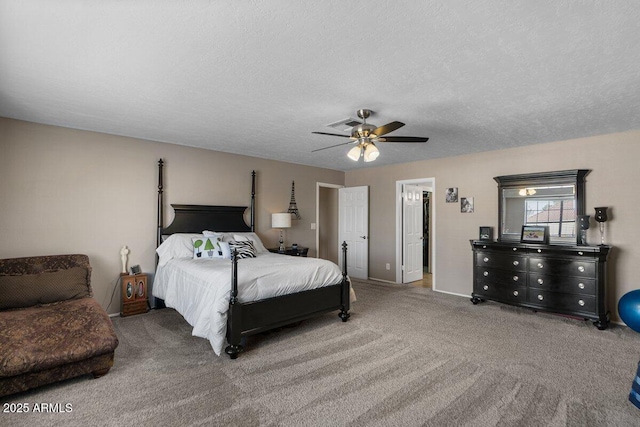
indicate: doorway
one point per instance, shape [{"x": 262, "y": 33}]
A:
[
  {"x": 408, "y": 240},
  {"x": 326, "y": 224}
]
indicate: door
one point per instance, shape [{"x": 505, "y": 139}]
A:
[
  {"x": 413, "y": 233},
  {"x": 353, "y": 207}
]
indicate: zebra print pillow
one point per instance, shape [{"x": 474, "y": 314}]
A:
[{"x": 245, "y": 249}]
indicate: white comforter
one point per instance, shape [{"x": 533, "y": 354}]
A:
[{"x": 199, "y": 289}]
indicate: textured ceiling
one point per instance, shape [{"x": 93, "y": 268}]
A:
[{"x": 257, "y": 77}]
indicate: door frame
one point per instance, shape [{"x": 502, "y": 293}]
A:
[
  {"x": 326, "y": 185},
  {"x": 427, "y": 182}
]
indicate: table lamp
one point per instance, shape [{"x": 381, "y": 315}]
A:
[{"x": 281, "y": 221}]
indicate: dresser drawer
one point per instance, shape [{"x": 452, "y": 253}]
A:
[
  {"x": 517, "y": 294},
  {"x": 562, "y": 267},
  {"x": 500, "y": 277},
  {"x": 501, "y": 260},
  {"x": 562, "y": 252},
  {"x": 561, "y": 301},
  {"x": 572, "y": 285}
]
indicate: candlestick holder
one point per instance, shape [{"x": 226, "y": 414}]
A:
[
  {"x": 583, "y": 226},
  {"x": 601, "y": 217}
]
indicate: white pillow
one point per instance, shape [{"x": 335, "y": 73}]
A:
[
  {"x": 209, "y": 247},
  {"x": 177, "y": 245}
]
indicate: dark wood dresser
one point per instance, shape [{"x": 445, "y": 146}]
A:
[{"x": 566, "y": 279}]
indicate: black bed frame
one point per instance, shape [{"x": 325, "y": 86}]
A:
[{"x": 250, "y": 318}]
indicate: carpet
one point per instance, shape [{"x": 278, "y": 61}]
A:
[{"x": 408, "y": 356}]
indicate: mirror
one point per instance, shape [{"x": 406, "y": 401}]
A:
[{"x": 552, "y": 199}]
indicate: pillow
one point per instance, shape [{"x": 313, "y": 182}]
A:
[
  {"x": 177, "y": 245},
  {"x": 245, "y": 249},
  {"x": 210, "y": 247},
  {"x": 27, "y": 290},
  {"x": 253, "y": 237}
]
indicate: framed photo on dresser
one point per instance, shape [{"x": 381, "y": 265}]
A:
[
  {"x": 486, "y": 233},
  {"x": 534, "y": 234}
]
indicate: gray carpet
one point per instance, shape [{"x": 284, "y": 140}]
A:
[{"x": 408, "y": 356}]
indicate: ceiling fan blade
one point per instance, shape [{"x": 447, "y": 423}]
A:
[
  {"x": 403, "y": 139},
  {"x": 389, "y": 127},
  {"x": 332, "y": 134},
  {"x": 331, "y": 146}
]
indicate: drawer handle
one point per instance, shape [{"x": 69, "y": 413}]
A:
[
  {"x": 514, "y": 249},
  {"x": 485, "y": 287},
  {"x": 485, "y": 274},
  {"x": 515, "y": 293},
  {"x": 539, "y": 251},
  {"x": 516, "y": 263},
  {"x": 515, "y": 278},
  {"x": 581, "y": 285},
  {"x": 580, "y": 253},
  {"x": 540, "y": 265},
  {"x": 581, "y": 303},
  {"x": 581, "y": 269},
  {"x": 540, "y": 281},
  {"x": 540, "y": 297},
  {"x": 485, "y": 259}
]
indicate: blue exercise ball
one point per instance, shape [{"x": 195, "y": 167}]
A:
[{"x": 629, "y": 309}]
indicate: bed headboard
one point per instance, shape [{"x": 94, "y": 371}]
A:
[{"x": 196, "y": 218}]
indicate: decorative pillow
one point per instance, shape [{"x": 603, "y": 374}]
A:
[
  {"x": 253, "y": 237},
  {"x": 43, "y": 288},
  {"x": 209, "y": 248},
  {"x": 245, "y": 249}
]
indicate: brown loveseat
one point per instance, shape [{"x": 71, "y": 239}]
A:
[{"x": 51, "y": 328}]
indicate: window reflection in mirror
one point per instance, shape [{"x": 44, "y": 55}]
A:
[{"x": 551, "y": 206}]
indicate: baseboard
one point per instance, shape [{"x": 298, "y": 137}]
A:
[
  {"x": 453, "y": 293},
  {"x": 381, "y": 280},
  {"x": 114, "y": 315}
]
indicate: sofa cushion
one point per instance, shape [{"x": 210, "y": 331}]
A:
[
  {"x": 27, "y": 290},
  {"x": 42, "y": 337}
]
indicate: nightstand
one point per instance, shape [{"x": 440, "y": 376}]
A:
[
  {"x": 134, "y": 294},
  {"x": 299, "y": 251}
]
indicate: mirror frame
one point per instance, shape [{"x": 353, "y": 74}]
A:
[{"x": 572, "y": 177}]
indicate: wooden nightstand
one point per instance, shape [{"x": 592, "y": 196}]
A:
[
  {"x": 134, "y": 294},
  {"x": 300, "y": 251}
]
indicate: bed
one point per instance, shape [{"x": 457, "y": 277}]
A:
[{"x": 230, "y": 298}]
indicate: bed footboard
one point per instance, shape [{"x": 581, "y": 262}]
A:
[{"x": 246, "y": 319}]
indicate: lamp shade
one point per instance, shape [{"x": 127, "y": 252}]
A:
[
  {"x": 371, "y": 153},
  {"x": 354, "y": 153},
  {"x": 281, "y": 220}
]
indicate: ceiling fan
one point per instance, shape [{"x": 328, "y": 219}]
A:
[{"x": 366, "y": 135}]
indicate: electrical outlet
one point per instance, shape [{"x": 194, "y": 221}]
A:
[
  {"x": 313, "y": 225},
  {"x": 388, "y": 266}
]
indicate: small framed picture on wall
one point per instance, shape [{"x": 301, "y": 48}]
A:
[
  {"x": 466, "y": 204},
  {"x": 452, "y": 195}
]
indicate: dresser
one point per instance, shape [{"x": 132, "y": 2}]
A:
[{"x": 565, "y": 279}]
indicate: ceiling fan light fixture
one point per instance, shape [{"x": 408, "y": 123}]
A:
[
  {"x": 355, "y": 152},
  {"x": 371, "y": 153}
]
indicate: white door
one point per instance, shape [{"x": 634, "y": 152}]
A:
[
  {"x": 412, "y": 232},
  {"x": 353, "y": 207}
]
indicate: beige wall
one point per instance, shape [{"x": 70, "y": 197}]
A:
[
  {"x": 613, "y": 160},
  {"x": 73, "y": 191}
]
